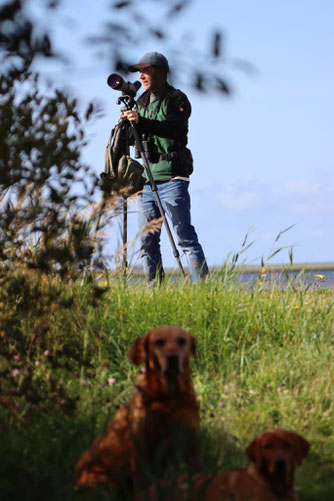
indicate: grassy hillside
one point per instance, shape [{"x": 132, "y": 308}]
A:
[{"x": 265, "y": 359}]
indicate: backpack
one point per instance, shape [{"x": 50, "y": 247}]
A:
[{"x": 121, "y": 172}]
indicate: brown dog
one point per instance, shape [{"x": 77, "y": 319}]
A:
[
  {"x": 163, "y": 400},
  {"x": 269, "y": 477}
]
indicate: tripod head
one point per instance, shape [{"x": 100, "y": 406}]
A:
[{"x": 128, "y": 101}]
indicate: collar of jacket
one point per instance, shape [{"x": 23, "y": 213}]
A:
[{"x": 144, "y": 99}]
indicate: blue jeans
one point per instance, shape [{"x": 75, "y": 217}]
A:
[{"x": 175, "y": 200}]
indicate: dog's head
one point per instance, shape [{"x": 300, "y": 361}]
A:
[
  {"x": 166, "y": 349},
  {"x": 275, "y": 452}
]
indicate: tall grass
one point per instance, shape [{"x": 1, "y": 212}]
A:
[{"x": 265, "y": 359}]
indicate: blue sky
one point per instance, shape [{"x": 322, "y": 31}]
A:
[{"x": 264, "y": 157}]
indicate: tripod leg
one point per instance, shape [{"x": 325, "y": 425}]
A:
[
  {"x": 125, "y": 204},
  {"x": 125, "y": 236}
]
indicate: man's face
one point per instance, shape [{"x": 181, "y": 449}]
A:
[{"x": 152, "y": 78}]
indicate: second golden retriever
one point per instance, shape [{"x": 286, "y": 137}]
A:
[{"x": 269, "y": 476}]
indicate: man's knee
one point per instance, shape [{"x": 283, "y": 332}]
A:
[{"x": 187, "y": 236}]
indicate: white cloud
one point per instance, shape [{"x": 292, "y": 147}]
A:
[
  {"x": 312, "y": 207},
  {"x": 302, "y": 187},
  {"x": 318, "y": 233},
  {"x": 309, "y": 197},
  {"x": 296, "y": 197},
  {"x": 239, "y": 199}
]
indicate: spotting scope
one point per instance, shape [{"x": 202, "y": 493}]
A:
[{"x": 116, "y": 82}]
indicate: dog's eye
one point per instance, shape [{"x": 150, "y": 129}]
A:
[
  {"x": 181, "y": 341},
  {"x": 268, "y": 446},
  {"x": 159, "y": 342},
  {"x": 286, "y": 445}
]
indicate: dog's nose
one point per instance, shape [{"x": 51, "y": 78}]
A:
[
  {"x": 280, "y": 465},
  {"x": 172, "y": 363}
]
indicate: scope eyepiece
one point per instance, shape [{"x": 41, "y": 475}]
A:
[{"x": 116, "y": 82}]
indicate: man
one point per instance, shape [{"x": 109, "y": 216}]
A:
[{"x": 162, "y": 119}]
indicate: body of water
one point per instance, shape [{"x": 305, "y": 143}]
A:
[
  {"x": 320, "y": 279},
  {"x": 313, "y": 279}
]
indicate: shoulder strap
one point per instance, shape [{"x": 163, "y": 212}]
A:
[{"x": 144, "y": 99}]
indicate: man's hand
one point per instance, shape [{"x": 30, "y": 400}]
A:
[{"x": 131, "y": 115}]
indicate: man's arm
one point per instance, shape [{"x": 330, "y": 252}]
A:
[
  {"x": 178, "y": 112},
  {"x": 172, "y": 126}
]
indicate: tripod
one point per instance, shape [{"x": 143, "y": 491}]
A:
[{"x": 129, "y": 102}]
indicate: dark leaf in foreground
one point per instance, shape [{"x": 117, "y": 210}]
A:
[
  {"x": 122, "y": 66},
  {"x": 53, "y": 4},
  {"x": 176, "y": 9},
  {"x": 122, "y": 5},
  {"x": 222, "y": 86},
  {"x": 158, "y": 34},
  {"x": 199, "y": 82},
  {"x": 217, "y": 42}
]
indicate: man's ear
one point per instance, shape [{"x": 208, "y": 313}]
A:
[
  {"x": 300, "y": 446},
  {"x": 139, "y": 349},
  {"x": 253, "y": 451}
]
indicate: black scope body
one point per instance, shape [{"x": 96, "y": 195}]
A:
[{"x": 116, "y": 82}]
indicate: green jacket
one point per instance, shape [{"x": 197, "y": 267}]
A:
[{"x": 163, "y": 123}]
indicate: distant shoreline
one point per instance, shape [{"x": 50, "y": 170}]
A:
[
  {"x": 271, "y": 268},
  {"x": 278, "y": 268}
]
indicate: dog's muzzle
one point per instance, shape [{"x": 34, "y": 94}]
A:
[
  {"x": 172, "y": 364},
  {"x": 280, "y": 466}
]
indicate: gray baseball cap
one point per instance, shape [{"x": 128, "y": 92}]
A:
[{"x": 151, "y": 59}]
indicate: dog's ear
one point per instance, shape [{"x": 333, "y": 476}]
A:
[
  {"x": 253, "y": 451},
  {"x": 138, "y": 351},
  {"x": 193, "y": 346},
  {"x": 300, "y": 446}
]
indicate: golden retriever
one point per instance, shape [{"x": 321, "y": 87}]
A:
[
  {"x": 163, "y": 401},
  {"x": 270, "y": 475}
]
